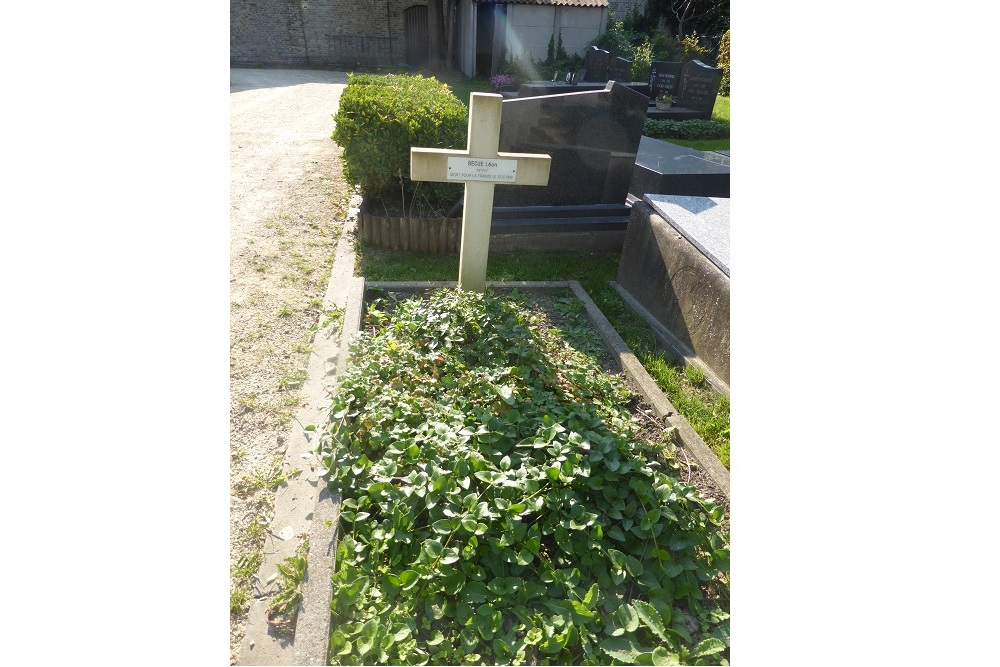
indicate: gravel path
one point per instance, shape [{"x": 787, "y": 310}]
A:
[{"x": 288, "y": 204}]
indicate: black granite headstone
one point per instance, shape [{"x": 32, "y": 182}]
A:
[
  {"x": 595, "y": 64},
  {"x": 699, "y": 86},
  {"x": 592, "y": 138},
  {"x": 663, "y": 78},
  {"x": 620, "y": 69}
]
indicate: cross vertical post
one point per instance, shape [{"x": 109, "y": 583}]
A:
[{"x": 480, "y": 167}]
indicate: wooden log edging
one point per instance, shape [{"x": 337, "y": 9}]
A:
[{"x": 422, "y": 235}]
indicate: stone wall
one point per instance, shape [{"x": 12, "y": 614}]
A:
[
  {"x": 621, "y": 8},
  {"x": 300, "y": 33}
]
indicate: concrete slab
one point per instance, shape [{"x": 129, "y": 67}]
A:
[
  {"x": 704, "y": 221},
  {"x": 295, "y": 503}
]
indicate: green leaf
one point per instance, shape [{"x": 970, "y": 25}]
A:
[
  {"x": 449, "y": 555},
  {"x": 628, "y": 618},
  {"x": 707, "y": 647},
  {"x": 554, "y": 644},
  {"x": 622, "y": 649},
  {"x": 581, "y": 610},
  {"x": 445, "y": 526},
  {"x": 433, "y": 548},
  {"x": 662, "y": 656},
  {"x": 650, "y": 618},
  {"x": 408, "y": 579},
  {"x": 616, "y": 533},
  {"x": 590, "y": 599}
]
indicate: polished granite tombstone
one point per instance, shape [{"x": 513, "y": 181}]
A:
[
  {"x": 699, "y": 87},
  {"x": 668, "y": 169},
  {"x": 595, "y": 64},
  {"x": 620, "y": 69},
  {"x": 664, "y": 78},
  {"x": 592, "y": 136}
]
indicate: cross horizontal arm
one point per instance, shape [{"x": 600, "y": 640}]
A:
[{"x": 431, "y": 164}]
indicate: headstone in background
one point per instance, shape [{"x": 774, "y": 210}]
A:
[
  {"x": 663, "y": 78},
  {"x": 592, "y": 138},
  {"x": 595, "y": 64},
  {"x": 620, "y": 69},
  {"x": 699, "y": 86}
]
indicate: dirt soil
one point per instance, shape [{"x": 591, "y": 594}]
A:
[{"x": 288, "y": 205}]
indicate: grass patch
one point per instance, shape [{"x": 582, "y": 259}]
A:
[
  {"x": 463, "y": 87},
  {"x": 707, "y": 413},
  {"x": 284, "y": 607}
]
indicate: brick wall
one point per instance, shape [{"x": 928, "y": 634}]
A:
[{"x": 298, "y": 33}]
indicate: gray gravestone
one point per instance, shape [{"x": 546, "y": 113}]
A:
[
  {"x": 592, "y": 138},
  {"x": 595, "y": 64},
  {"x": 663, "y": 78},
  {"x": 699, "y": 86},
  {"x": 620, "y": 69}
]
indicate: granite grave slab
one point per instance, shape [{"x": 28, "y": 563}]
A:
[
  {"x": 665, "y": 168},
  {"x": 703, "y": 221}
]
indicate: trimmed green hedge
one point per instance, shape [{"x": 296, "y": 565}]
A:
[
  {"x": 685, "y": 129},
  {"x": 379, "y": 119}
]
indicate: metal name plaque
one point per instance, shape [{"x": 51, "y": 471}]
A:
[{"x": 481, "y": 169}]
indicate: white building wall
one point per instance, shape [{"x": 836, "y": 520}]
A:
[
  {"x": 529, "y": 28},
  {"x": 466, "y": 46}
]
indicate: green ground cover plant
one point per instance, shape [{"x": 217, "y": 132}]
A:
[
  {"x": 500, "y": 504},
  {"x": 703, "y": 408}
]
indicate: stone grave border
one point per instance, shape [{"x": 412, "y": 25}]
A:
[{"x": 312, "y": 628}]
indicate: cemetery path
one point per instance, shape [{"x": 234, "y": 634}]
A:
[{"x": 288, "y": 205}]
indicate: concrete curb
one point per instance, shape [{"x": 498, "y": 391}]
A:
[
  {"x": 299, "y": 507},
  {"x": 654, "y": 395}
]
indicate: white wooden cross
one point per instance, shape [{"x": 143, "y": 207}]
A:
[{"x": 480, "y": 167}]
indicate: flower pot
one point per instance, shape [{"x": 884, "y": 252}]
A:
[{"x": 663, "y": 105}]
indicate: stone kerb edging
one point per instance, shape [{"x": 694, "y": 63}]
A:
[{"x": 312, "y": 629}]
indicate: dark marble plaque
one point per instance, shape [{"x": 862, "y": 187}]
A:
[
  {"x": 663, "y": 78},
  {"x": 699, "y": 86},
  {"x": 595, "y": 64},
  {"x": 592, "y": 138},
  {"x": 620, "y": 69}
]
